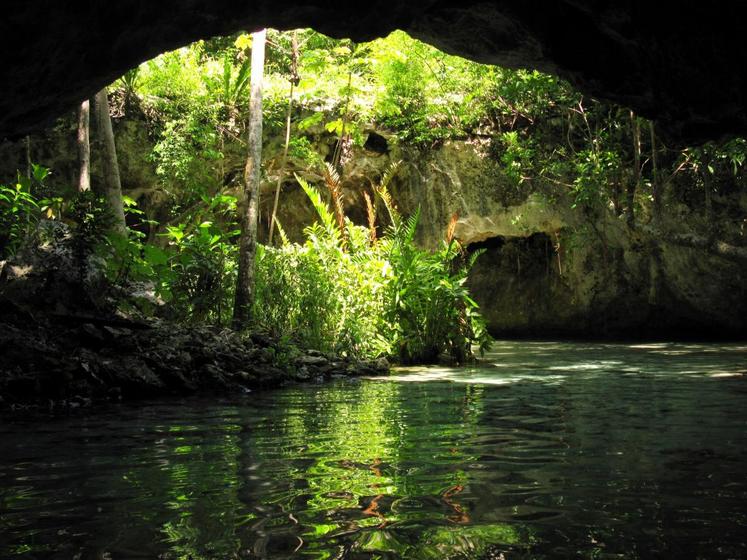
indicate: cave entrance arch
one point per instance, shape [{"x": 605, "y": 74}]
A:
[{"x": 684, "y": 66}]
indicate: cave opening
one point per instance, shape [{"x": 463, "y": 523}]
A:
[{"x": 560, "y": 197}]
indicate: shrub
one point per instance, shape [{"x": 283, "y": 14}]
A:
[{"x": 345, "y": 291}]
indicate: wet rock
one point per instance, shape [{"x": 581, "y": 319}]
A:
[
  {"x": 83, "y": 357},
  {"x": 117, "y": 333},
  {"x": 382, "y": 365},
  {"x": 302, "y": 374},
  {"x": 312, "y": 360},
  {"x": 92, "y": 333},
  {"x": 261, "y": 339}
]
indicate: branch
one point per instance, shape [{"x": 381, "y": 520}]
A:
[{"x": 712, "y": 246}]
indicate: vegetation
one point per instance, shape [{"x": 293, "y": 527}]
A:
[
  {"x": 346, "y": 291},
  {"x": 359, "y": 290}
]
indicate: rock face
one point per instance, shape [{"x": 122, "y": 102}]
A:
[
  {"x": 549, "y": 269},
  {"x": 683, "y": 65}
]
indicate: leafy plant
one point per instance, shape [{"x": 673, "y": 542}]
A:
[
  {"x": 19, "y": 211},
  {"x": 348, "y": 291}
]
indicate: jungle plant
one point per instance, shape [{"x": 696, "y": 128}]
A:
[
  {"x": 428, "y": 305},
  {"x": 348, "y": 291},
  {"x": 19, "y": 211}
]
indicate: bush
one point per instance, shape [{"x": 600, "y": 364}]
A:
[
  {"x": 19, "y": 211},
  {"x": 345, "y": 291}
]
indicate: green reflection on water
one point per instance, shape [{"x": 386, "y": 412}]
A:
[{"x": 580, "y": 450}]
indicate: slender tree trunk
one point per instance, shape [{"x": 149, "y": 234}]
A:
[
  {"x": 655, "y": 186},
  {"x": 112, "y": 187},
  {"x": 84, "y": 146},
  {"x": 249, "y": 206},
  {"x": 337, "y": 157},
  {"x": 29, "y": 169},
  {"x": 707, "y": 183},
  {"x": 283, "y": 162},
  {"x": 633, "y": 185}
]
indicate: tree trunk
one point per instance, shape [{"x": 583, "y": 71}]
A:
[
  {"x": 728, "y": 251},
  {"x": 633, "y": 185},
  {"x": 29, "y": 167},
  {"x": 112, "y": 187},
  {"x": 655, "y": 183},
  {"x": 707, "y": 179},
  {"x": 337, "y": 156},
  {"x": 249, "y": 205},
  {"x": 281, "y": 173},
  {"x": 84, "y": 146}
]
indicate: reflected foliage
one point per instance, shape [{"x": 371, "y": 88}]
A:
[{"x": 515, "y": 460}]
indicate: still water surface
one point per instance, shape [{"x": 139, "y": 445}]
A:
[{"x": 548, "y": 450}]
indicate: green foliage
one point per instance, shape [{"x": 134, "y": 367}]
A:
[
  {"x": 203, "y": 265},
  {"x": 369, "y": 298},
  {"x": 19, "y": 211},
  {"x": 194, "y": 272},
  {"x": 594, "y": 169},
  {"x": 92, "y": 219},
  {"x": 517, "y": 156},
  {"x": 428, "y": 307}
]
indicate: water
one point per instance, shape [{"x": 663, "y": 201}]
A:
[{"x": 551, "y": 450}]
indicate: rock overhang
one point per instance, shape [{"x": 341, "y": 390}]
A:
[{"x": 682, "y": 64}]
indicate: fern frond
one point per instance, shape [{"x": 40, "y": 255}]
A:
[
  {"x": 474, "y": 256},
  {"x": 390, "y": 172},
  {"x": 328, "y": 220},
  {"x": 283, "y": 237},
  {"x": 411, "y": 226},
  {"x": 382, "y": 189},
  {"x": 332, "y": 180},
  {"x": 391, "y": 208}
]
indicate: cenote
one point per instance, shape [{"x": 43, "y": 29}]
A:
[
  {"x": 547, "y": 450},
  {"x": 285, "y": 279}
]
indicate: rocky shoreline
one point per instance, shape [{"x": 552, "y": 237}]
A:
[{"x": 71, "y": 362}]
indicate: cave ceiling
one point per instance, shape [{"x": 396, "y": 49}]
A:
[{"x": 680, "y": 63}]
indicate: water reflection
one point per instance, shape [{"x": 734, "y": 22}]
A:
[{"x": 551, "y": 450}]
